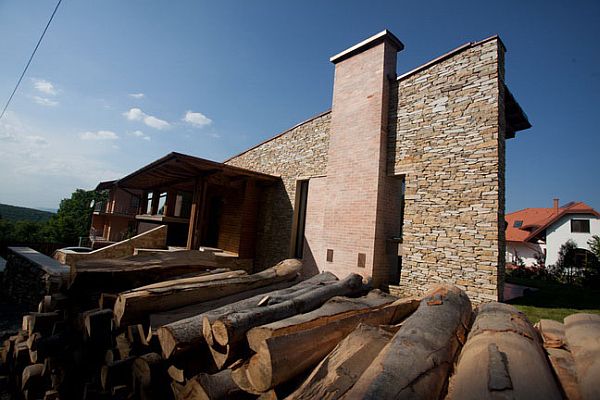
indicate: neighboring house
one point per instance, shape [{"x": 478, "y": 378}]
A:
[
  {"x": 401, "y": 181},
  {"x": 535, "y": 234}
]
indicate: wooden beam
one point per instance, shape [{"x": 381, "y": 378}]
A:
[{"x": 196, "y": 198}]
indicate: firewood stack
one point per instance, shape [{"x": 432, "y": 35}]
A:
[{"x": 218, "y": 334}]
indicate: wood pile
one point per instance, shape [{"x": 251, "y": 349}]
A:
[{"x": 217, "y": 334}]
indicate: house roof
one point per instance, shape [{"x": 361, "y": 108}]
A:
[
  {"x": 176, "y": 168},
  {"x": 536, "y": 220}
]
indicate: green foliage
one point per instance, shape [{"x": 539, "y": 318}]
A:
[
  {"x": 594, "y": 244},
  {"x": 14, "y": 213},
  {"x": 73, "y": 218},
  {"x": 566, "y": 270},
  {"x": 72, "y": 221}
]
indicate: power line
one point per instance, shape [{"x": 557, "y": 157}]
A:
[{"x": 30, "y": 58}]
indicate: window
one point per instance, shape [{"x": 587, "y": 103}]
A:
[
  {"x": 517, "y": 224},
  {"x": 580, "y": 226},
  {"x": 162, "y": 201},
  {"x": 149, "y": 202}
]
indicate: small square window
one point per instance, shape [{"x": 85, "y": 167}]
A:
[
  {"x": 518, "y": 224},
  {"x": 580, "y": 226},
  {"x": 329, "y": 255}
]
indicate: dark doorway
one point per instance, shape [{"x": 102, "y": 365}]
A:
[{"x": 215, "y": 208}]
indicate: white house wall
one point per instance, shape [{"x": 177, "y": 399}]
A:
[
  {"x": 559, "y": 232},
  {"x": 526, "y": 252}
]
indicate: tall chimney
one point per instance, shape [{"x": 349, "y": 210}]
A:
[
  {"x": 354, "y": 221},
  {"x": 555, "y": 206}
]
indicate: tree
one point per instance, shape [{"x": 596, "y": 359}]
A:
[
  {"x": 565, "y": 269},
  {"x": 594, "y": 244},
  {"x": 73, "y": 218}
]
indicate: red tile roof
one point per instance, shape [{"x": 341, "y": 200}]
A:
[{"x": 535, "y": 220}]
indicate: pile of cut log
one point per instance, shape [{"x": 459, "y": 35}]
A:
[{"x": 210, "y": 333}]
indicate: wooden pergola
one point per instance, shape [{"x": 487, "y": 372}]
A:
[{"x": 179, "y": 172}]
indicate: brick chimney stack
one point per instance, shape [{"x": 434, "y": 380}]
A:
[
  {"x": 355, "y": 221},
  {"x": 555, "y": 206}
]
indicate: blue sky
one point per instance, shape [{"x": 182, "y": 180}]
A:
[{"x": 117, "y": 84}]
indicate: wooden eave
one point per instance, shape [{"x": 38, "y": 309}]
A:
[{"x": 178, "y": 171}]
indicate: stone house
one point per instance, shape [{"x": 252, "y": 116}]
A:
[{"x": 401, "y": 181}]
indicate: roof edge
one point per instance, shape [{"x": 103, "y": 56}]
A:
[
  {"x": 449, "y": 54},
  {"x": 278, "y": 135},
  {"x": 367, "y": 44}
]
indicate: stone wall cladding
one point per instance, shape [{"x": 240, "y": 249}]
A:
[
  {"x": 300, "y": 152},
  {"x": 447, "y": 138}
]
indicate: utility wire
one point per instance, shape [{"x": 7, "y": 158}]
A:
[{"x": 30, "y": 58}]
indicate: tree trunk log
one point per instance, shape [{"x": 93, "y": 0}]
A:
[
  {"x": 502, "y": 357},
  {"x": 117, "y": 373},
  {"x": 167, "y": 317},
  {"x": 583, "y": 333},
  {"x": 179, "y": 336},
  {"x": 218, "y": 386},
  {"x": 416, "y": 362},
  {"x": 116, "y": 275},
  {"x": 287, "y": 348},
  {"x": 130, "y": 305},
  {"x": 232, "y": 327},
  {"x": 553, "y": 333},
  {"x": 336, "y": 374},
  {"x": 43, "y": 322}
]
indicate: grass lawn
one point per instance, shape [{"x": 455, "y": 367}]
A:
[{"x": 554, "y": 301}]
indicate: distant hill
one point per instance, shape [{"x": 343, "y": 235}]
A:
[{"x": 14, "y": 213}]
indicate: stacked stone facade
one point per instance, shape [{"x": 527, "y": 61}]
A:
[
  {"x": 299, "y": 153},
  {"x": 447, "y": 140},
  {"x": 441, "y": 131}
]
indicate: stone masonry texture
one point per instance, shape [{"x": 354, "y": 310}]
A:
[{"x": 447, "y": 139}]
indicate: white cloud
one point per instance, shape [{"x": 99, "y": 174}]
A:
[
  {"x": 44, "y": 86},
  {"x": 197, "y": 119},
  {"x": 99, "y": 135},
  {"x": 140, "y": 135},
  {"x": 44, "y": 101},
  {"x": 137, "y": 95},
  {"x": 136, "y": 114}
]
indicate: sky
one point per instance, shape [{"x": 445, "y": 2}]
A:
[{"x": 117, "y": 84}]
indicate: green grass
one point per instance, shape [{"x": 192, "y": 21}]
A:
[{"x": 555, "y": 301}]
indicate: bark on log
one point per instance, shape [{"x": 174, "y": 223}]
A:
[
  {"x": 117, "y": 373},
  {"x": 51, "y": 395},
  {"x": 502, "y": 357},
  {"x": 98, "y": 325},
  {"x": 116, "y": 275},
  {"x": 174, "y": 294},
  {"x": 416, "y": 362},
  {"x": 166, "y": 317},
  {"x": 552, "y": 333},
  {"x": 336, "y": 374},
  {"x": 232, "y": 327},
  {"x": 287, "y": 348},
  {"x": 583, "y": 333},
  {"x": 149, "y": 377},
  {"x": 107, "y": 301},
  {"x": 180, "y": 336},
  {"x": 43, "y": 322},
  {"x": 564, "y": 368},
  {"x": 218, "y": 386},
  {"x": 130, "y": 306},
  {"x": 32, "y": 378}
]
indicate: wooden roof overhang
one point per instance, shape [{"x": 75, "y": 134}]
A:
[
  {"x": 179, "y": 171},
  {"x": 516, "y": 119}
]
